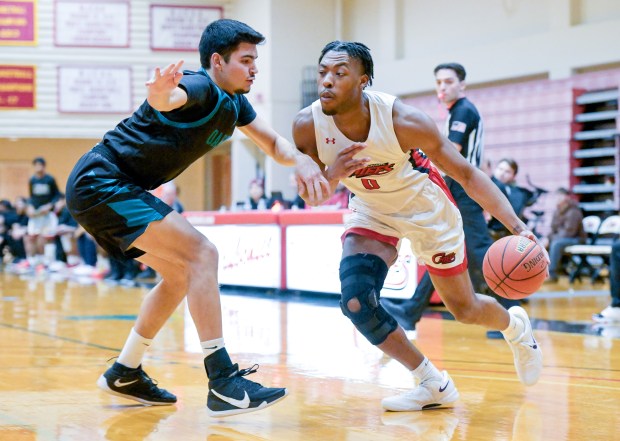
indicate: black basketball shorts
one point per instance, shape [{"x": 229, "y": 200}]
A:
[{"x": 112, "y": 208}]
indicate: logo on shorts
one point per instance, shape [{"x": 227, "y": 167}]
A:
[{"x": 443, "y": 258}]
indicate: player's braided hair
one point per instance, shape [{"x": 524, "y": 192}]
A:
[{"x": 355, "y": 50}]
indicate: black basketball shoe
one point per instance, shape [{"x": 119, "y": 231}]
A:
[
  {"x": 230, "y": 393},
  {"x": 134, "y": 384}
]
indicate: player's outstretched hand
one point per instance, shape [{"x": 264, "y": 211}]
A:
[
  {"x": 310, "y": 180},
  {"x": 345, "y": 163},
  {"x": 166, "y": 80}
]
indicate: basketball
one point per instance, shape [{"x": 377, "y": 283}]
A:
[{"x": 514, "y": 267}]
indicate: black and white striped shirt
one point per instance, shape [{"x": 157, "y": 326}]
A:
[{"x": 464, "y": 127}]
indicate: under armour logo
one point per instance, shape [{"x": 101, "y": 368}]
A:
[{"x": 328, "y": 140}]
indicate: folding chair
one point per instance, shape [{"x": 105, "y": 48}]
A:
[{"x": 594, "y": 256}]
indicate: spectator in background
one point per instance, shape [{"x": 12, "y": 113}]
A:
[
  {"x": 87, "y": 249},
  {"x": 123, "y": 271},
  {"x": 611, "y": 314},
  {"x": 66, "y": 246},
  {"x": 340, "y": 198},
  {"x": 276, "y": 201},
  {"x": 42, "y": 221},
  {"x": 5, "y": 207},
  {"x": 16, "y": 224},
  {"x": 566, "y": 230},
  {"x": 169, "y": 193},
  {"x": 298, "y": 202},
  {"x": 256, "y": 196},
  {"x": 504, "y": 176}
]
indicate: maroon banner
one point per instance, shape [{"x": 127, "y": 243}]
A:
[
  {"x": 17, "y": 87},
  {"x": 17, "y": 23}
]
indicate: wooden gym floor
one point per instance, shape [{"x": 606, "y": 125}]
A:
[{"x": 55, "y": 338}]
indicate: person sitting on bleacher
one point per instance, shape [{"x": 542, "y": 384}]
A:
[{"x": 566, "y": 230}]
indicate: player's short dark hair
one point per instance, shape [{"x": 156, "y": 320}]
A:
[
  {"x": 458, "y": 69},
  {"x": 354, "y": 50},
  {"x": 38, "y": 160},
  {"x": 222, "y": 37}
]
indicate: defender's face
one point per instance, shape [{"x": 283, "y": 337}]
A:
[
  {"x": 448, "y": 86},
  {"x": 340, "y": 82},
  {"x": 239, "y": 72}
]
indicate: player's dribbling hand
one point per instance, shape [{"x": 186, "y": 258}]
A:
[
  {"x": 310, "y": 180},
  {"x": 345, "y": 163},
  {"x": 531, "y": 236}
]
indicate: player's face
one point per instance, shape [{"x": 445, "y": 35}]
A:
[
  {"x": 240, "y": 70},
  {"x": 504, "y": 173},
  {"x": 448, "y": 86},
  {"x": 341, "y": 81}
]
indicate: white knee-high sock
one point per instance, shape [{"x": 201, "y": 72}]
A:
[
  {"x": 210, "y": 346},
  {"x": 134, "y": 349}
]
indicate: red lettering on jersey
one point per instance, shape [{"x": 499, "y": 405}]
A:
[
  {"x": 443, "y": 258},
  {"x": 373, "y": 170},
  {"x": 330, "y": 140}
]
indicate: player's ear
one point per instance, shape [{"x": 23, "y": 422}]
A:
[
  {"x": 216, "y": 61},
  {"x": 364, "y": 81}
]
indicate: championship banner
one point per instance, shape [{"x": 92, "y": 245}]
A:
[
  {"x": 17, "y": 87},
  {"x": 18, "y": 23}
]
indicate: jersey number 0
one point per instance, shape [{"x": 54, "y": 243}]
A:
[{"x": 370, "y": 184}]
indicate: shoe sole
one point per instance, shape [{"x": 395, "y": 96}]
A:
[
  {"x": 227, "y": 413},
  {"x": 102, "y": 384},
  {"x": 446, "y": 402}
]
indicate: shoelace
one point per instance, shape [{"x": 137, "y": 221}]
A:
[{"x": 244, "y": 372}]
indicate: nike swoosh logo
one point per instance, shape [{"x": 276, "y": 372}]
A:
[
  {"x": 119, "y": 383},
  {"x": 241, "y": 404},
  {"x": 441, "y": 389},
  {"x": 210, "y": 347}
]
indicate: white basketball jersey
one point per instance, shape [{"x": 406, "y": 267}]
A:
[{"x": 392, "y": 178}]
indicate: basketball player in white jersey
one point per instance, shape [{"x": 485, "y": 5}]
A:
[{"x": 369, "y": 141}]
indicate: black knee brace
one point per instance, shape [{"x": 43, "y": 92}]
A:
[{"x": 361, "y": 278}]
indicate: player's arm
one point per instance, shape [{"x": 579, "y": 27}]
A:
[
  {"x": 415, "y": 129},
  {"x": 307, "y": 172},
  {"x": 344, "y": 163},
  {"x": 164, "y": 93},
  {"x": 303, "y": 136}
]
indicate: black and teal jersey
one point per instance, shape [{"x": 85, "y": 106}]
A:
[{"x": 154, "y": 147}]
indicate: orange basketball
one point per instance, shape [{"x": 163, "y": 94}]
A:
[{"x": 514, "y": 267}]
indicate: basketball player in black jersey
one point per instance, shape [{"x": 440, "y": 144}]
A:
[
  {"x": 186, "y": 114},
  {"x": 465, "y": 130}
]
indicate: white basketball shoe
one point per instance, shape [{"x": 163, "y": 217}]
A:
[
  {"x": 430, "y": 393},
  {"x": 527, "y": 354}
]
